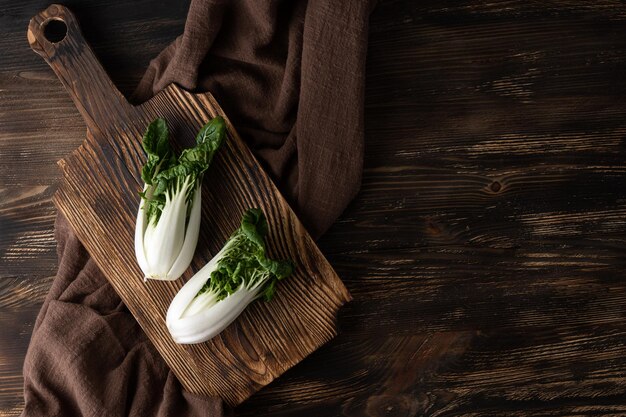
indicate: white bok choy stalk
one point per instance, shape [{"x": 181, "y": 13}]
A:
[
  {"x": 168, "y": 219},
  {"x": 239, "y": 274}
]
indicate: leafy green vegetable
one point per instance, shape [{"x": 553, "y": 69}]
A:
[
  {"x": 172, "y": 193},
  {"x": 235, "y": 277}
]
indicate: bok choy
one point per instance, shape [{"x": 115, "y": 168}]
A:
[
  {"x": 235, "y": 277},
  {"x": 168, "y": 219}
]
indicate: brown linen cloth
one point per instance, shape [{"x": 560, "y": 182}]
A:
[{"x": 290, "y": 75}]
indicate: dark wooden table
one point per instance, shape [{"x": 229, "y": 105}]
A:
[{"x": 486, "y": 252}]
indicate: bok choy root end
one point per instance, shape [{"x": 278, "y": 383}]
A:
[
  {"x": 235, "y": 277},
  {"x": 168, "y": 219}
]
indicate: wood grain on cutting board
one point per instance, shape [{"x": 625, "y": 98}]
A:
[{"x": 99, "y": 196}]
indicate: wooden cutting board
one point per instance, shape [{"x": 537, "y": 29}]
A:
[{"x": 99, "y": 196}]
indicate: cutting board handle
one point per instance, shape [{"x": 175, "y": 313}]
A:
[{"x": 55, "y": 35}]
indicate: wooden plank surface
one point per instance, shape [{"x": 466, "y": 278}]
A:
[{"x": 486, "y": 250}]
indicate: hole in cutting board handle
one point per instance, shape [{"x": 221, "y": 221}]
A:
[{"x": 55, "y": 30}]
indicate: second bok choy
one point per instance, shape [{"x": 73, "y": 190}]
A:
[
  {"x": 168, "y": 220},
  {"x": 239, "y": 274}
]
